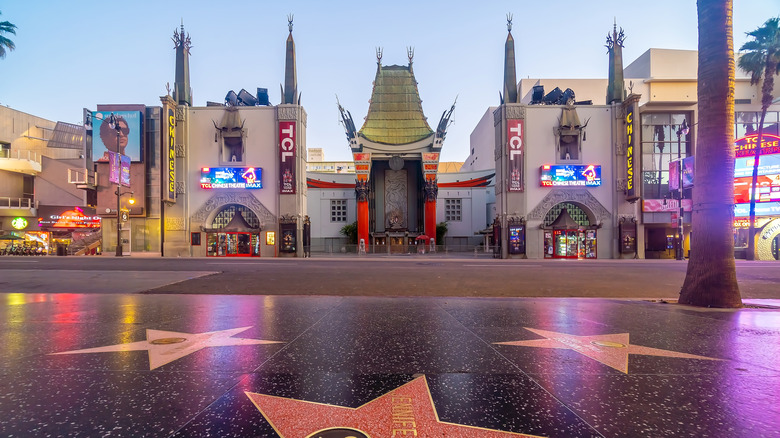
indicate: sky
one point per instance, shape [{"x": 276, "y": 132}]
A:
[{"x": 79, "y": 54}]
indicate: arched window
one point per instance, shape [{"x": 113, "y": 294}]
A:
[
  {"x": 576, "y": 213},
  {"x": 226, "y": 214}
]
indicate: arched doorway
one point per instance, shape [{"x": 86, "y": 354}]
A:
[
  {"x": 234, "y": 232},
  {"x": 569, "y": 233}
]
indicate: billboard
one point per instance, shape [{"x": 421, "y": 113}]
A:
[
  {"x": 514, "y": 135},
  {"x": 767, "y": 193},
  {"x": 287, "y": 158},
  {"x": 57, "y": 217},
  {"x": 127, "y": 139},
  {"x": 571, "y": 175},
  {"x": 767, "y": 165},
  {"x": 231, "y": 178}
]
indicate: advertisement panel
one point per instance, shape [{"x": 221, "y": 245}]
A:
[
  {"x": 58, "y": 217},
  {"x": 688, "y": 172},
  {"x": 516, "y": 239},
  {"x": 124, "y": 173},
  {"x": 571, "y": 175},
  {"x": 126, "y": 140},
  {"x": 514, "y": 135},
  {"x": 287, "y": 158},
  {"x": 762, "y": 209},
  {"x": 767, "y": 165},
  {"x": 114, "y": 167},
  {"x": 231, "y": 178},
  {"x": 674, "y": 176},
  {"x": 767, "y": 188},
  {"x": 169, "y": 192}
]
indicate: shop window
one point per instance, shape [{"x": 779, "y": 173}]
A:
[
  {"x": 452, "y": 210},
  {"x": 5, "y": 150},
  {"x": 338, "y": 210},
  {"x": 195, "y": 239},
  {"x": 746, "y": 123}
]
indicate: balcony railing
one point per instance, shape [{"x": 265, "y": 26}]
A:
[
  {"x": 21, "y": 161},
  {"x": 82, "y": 177},
  {"x": 6, "y": 202}
]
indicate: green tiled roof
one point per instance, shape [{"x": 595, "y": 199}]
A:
[{"x": 395, "y": 114}]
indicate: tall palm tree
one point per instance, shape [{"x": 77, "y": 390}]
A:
[
  {"x": 5, "y": 43},
  {"x": 760, "y": 58},
  {"x": 711, "y": 279}
]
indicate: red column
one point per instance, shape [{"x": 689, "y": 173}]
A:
[
  {"x": 430, "y": 220},
  {"x": 362, "y": 221}
]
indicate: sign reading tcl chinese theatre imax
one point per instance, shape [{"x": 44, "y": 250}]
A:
[
  {"x": 287, "y": 158},
  {"x": 514, "y": 134},
  {"x": 571, "y": 175},
  {"x": 231, "y": 178}
]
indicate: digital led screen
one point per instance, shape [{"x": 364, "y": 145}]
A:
[
  {"x": 571, "y": 175},
  {"x": 767, "y": 188},
  {"x": 762, "y": 209},
  {"x": 767, "y": 164},
  {"x": 231, "y": 178},
  {"x": 106, "y": 139}
]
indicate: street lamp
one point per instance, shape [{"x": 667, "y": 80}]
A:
[
  {"x": 684, "y": 129},
  {"x": 113, "y": 123}
]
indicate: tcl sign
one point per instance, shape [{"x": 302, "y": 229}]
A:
[
  {"x": 514, "y": 137},
  {"x": 287, "y": 157}
]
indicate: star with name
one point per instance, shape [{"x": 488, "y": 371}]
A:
[
  {"x": 165, "y": 346},
  {"x": 612, "y": 350},
  {"x": 405, "y": 411}
]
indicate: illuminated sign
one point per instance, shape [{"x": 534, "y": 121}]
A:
[
  {"x": 630, "y": 186},
  {"x": 767, "y": 188},
  {"x": 767, "y": 165},
  {"x": 231, "y": 178},
  {"x": 571, "y": 175},
  {"x": 270, "y": 238},
  {"x": 170, "y": 192},
  {"x": 762, "y": 209},
  {"x": 746, "y": 146},
  {"x": 287, "y": 158},
  {"x": 19, "y": 223},
  {"x": 514, "y": 135},
  {"x": 74, "y": 218},
  {"x": 127, "y": 140}
]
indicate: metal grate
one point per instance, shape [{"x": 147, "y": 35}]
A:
[
  {"x": 575, "y": 212},
  {"x": 227, "y": 213}
]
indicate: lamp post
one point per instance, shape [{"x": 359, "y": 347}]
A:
[
  {"x": 683, "y": 130},
  {"x": 113, "y": 123}
]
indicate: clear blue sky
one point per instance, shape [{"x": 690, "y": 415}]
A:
[{"x": 78, "y": 54}]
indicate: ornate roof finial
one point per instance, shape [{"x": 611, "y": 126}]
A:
[
  {"x": 289, "y": 22},
  {"x": 410, "y": 54},
  {"x": 509, "y": 22},
  {"x": 379, "y": 55}
]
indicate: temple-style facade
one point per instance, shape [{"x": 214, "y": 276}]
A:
[{"x": 396, "y": 156}]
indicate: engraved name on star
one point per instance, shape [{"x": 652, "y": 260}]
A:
[
  {"x": 165, "y": 346},
  {"x": 405, "y": 411},
  {"x": 611, "y": 350}
]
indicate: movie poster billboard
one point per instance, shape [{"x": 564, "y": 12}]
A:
[
  {"x": 287, "y": 157},
  {"x": 126, "y": 140},
  {"x": 514, "y": 135}
]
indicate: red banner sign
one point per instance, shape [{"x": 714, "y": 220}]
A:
[
  {"x": 514, "y": 135},
  {"x": 287, "y": 158}
]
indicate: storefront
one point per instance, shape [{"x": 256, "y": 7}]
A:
[
  {"x": 567, "y": 238},
  {"x": 239, "y": 237}
]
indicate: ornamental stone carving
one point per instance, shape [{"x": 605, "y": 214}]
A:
[
  {"x": 361, "y": 190},
  {"x": 174, "y": 224},
  {"x": 205, "y": 214},
  {"x": 181, "y": 115},
  {"x": 181, "y": 151},
  {"x": 431, "y": 190},
  {"x": 514, "y": 112},
  {"x": 578, "y": 196},
  {"x": 287, "y": 113},
  {"x": 180, "y": 187}
]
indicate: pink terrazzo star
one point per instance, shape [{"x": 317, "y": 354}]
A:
[{"x": 405, "y": 411}]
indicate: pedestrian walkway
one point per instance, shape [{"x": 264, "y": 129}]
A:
[{"x": 129, "y": 365}]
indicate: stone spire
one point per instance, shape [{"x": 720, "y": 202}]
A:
[
  {"x": 290, "y": 92},
  {"x": 182, "y": 92},
  {"x": 615, "y": 88},
  {"x": 510, "y": 75}
]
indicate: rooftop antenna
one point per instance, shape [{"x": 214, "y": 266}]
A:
[
  {"x": 410, "y": 54},
  {"x": 509, "y": 22},
  {"x": 379, "y": 55},
  {"x": 290, "y": 22}
]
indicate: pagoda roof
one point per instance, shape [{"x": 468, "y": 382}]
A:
[{"x": 395, "y": 114}]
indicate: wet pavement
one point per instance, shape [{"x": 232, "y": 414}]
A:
[{"x": 134, "y": 365}]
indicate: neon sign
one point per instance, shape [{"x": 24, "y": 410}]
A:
[
  {"x": 231, "y": 178},
  {"x": 19, "y": 223},
  {"x": 571, "y": 175},
  {"x": 630, "y": 188}
]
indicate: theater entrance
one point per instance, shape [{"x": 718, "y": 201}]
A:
[
  {"x": 568, "y": 233},
  {"x": 232, "y": 235}
]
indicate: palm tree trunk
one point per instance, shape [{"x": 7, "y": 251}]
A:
[{"x": 711, "y": 278}]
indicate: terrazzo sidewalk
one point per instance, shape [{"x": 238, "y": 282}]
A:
[{"x": 133, "y": 365}]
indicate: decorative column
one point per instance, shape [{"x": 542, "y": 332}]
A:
[
  {"x": 431, "y": 189},
  {"x": 361, "y": 192}
]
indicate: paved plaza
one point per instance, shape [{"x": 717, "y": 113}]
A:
[{"x": 226, "y": 348}]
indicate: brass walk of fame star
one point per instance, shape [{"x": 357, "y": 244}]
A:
[
  {"x": 405, "y": 411},
  {"x": 165, "y": 347},
  {"x": 611, "y": 350}
]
